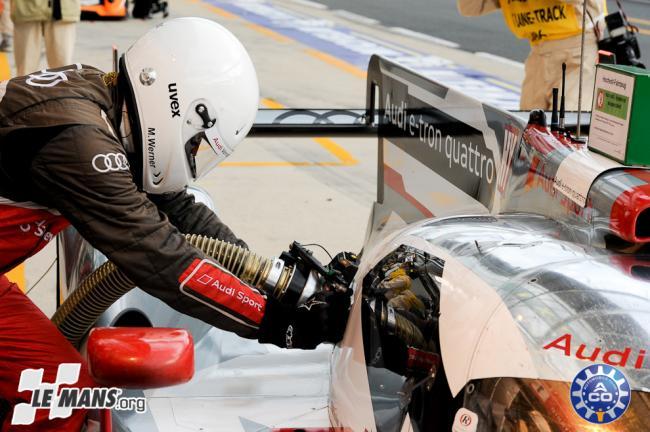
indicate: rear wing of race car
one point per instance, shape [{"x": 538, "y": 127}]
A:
[{"x": 442, "y": 153}]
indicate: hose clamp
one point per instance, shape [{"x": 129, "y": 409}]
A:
[
  {"x": 274, "y": 275},
  {"x": 310, "y": 288}
]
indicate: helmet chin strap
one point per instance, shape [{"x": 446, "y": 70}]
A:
[
  {"x": 129, "y": 128},
  {"x": 126, "y": 134},
  {"x": 121, "y": 111}
]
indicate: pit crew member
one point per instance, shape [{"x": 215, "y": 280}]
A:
[{"x": 553, "y": 28}]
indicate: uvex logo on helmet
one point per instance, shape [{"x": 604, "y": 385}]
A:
[{"x": 173, "y": 97}]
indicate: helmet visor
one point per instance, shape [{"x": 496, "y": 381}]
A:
[{"x": 204, "y": 151}]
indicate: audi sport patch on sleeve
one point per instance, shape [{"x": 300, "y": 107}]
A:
[{"x": 211, "y": 285}]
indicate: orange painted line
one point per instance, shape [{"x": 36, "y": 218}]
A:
[
  {"x": 270, "y": 33},
  {"x": 278, "y": 164},
  {"x": 270, "y": 103},
  {"x": 344, "y": 158},
  {"x": 644, "y": 32},
  {"x": 5, "y": 69},
  {"x": 17, "y": 276},
  {"x": 639, "y": 21},
  {"x": 336, "y": 62},
  {"x": 221, "y": 12},
  {"x": 341, "y": 154},
  {"x": 504, "y": 84}
]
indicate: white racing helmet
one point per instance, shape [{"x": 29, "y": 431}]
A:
[{"x": 195, "y": 94}]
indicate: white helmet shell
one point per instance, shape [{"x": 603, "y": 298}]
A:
[{"x": 196, "y": 95}]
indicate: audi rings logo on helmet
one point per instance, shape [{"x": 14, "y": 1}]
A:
[{"x": 104, "y": 163}]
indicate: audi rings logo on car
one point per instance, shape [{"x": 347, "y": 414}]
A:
[{"x": 104, "y": 163}]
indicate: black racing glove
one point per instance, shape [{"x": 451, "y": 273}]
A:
[{"x": 322, "y": 318}]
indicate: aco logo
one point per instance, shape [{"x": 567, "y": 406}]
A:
[{"x": 600, "y": 394}]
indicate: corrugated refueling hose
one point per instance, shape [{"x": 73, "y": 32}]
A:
[{"x": 107, "y": 284}]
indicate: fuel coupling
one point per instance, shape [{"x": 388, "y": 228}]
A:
[{"x": 309, "y": 275}]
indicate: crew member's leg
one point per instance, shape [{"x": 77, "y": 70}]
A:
[
  {"x": 550, "y": 56},
  {"x": 533, "y": 89},
  {"x": 27, "y": 46},
  {"x": 29, "y": 340},
  {"x": 59, "y": 42}
]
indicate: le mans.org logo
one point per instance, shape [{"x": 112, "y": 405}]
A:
[
  {"x": 600, "y": 394},
  {"x": 61, "y": 401}
]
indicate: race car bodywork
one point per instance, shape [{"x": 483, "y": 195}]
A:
[
  {"x": 109, "y": 9},
  {"x": 500, "y": 260},
  {"x": 492, "y": 273}
]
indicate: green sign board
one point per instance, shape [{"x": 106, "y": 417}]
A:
[
  {"x": 619, "y": 117},
  {"x": 612, "y": 103}
]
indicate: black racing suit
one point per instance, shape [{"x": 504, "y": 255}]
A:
[{"x": 59, "y": 153}]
